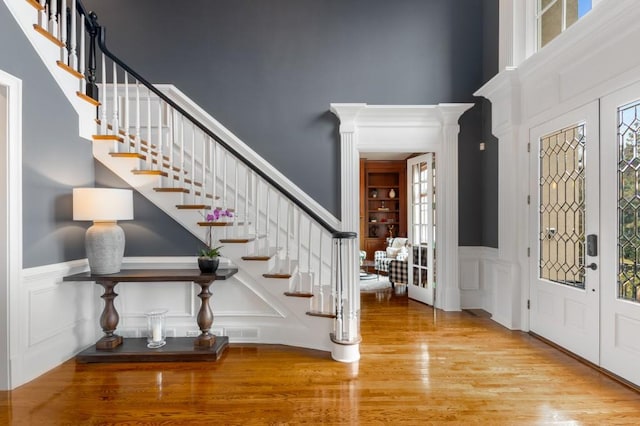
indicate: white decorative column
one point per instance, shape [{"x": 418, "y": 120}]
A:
[
  {"x": 448, "y": 296},
  {"x": 349, "y": 351},
  {"x": 509, "y": 299}
]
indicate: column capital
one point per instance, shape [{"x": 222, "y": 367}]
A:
[{"x": 347, "y": 114}]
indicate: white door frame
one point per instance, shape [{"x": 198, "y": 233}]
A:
[
  {"x": 11, "y": 226},
  {"x": 410, "y": 129}
]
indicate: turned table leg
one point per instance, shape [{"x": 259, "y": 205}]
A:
[
  {"x": 109, "y": 318},
  {"x": 205, "y": 318}
]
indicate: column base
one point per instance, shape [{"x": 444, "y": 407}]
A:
[{"x": 345, "y": 353}]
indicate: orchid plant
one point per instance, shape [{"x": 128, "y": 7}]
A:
[{"x": 215, "y": 215}]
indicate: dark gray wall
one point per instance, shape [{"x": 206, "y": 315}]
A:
[
  {"x": 490, "y": 155},
  {"x": 269, "y": 69},
  {"x": 55, "y": 158}
]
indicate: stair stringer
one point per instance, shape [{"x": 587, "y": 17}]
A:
[
  {"x": 293, "y": 327},
  {"x": 49, "y": 53}
]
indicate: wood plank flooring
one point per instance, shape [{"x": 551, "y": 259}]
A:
[{"x": 417, "y": 368}]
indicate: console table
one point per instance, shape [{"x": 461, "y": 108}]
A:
[{"x": 113, "y": 348}]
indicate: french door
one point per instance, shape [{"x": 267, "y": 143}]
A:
[
  {"x": 620, "y": 257},
  {"x": 421, "y": 184},
  {"x": 564, "y": 218},
  {"x": 585, "y": 232}
]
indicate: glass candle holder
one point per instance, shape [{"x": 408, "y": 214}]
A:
[{"x": 156, "y": 331}]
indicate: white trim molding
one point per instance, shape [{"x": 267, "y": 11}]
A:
[
  {"x": 11, "y": 194},
  {"x": 410, "y": 129}
]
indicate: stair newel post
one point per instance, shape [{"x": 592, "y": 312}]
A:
[
  {"x": 73, "y": 37},
  {"x": 346, "y": 335},
  {"x": 80, "y": 62},
  {"x": 64, "y": 52},
  {"x": 92, "y": 87}
]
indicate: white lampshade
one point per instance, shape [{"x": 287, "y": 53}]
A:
[
  {"x": 104, "y": 240},
  {"x": 102, "y": 204}
]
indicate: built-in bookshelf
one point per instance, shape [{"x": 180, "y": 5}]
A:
[{"x": 383, "y": 204}]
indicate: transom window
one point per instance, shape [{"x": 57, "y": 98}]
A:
[{"x": 555, "y": 16}]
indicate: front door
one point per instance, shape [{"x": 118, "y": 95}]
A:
[
  {"x": 421, "y": 175},
  {"x": 620, "y": 257},
  {"x": 564, "y": 227}
]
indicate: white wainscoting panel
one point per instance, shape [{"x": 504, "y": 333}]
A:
[
  {"x": 476, "y": 277},
  {"x": 57, "y": 319}
]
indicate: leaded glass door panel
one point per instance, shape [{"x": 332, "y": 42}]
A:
[
  {"x": 564, "y": 305},
  {"x": 620, "y": 180},
  {"x": 421, "y": 186}
]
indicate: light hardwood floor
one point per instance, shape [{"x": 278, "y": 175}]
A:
[{"x": 416, "y": 368}]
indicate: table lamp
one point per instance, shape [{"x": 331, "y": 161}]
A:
[{"x": 104, "y": 240}]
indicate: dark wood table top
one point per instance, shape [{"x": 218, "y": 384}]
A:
[{"x": 152, "y": 275}]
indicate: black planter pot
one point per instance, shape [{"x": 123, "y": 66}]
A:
[{"x": 208, "y": 264}]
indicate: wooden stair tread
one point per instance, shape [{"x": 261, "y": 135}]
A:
[
  {"x": 236, "y": 240},
  {"x": 114, "y": 138},
  {"x": 198, "y": 194},
  {"x": 180, "y": 190},
  {"x": 127, "y": 155},
  {"x": 277, "y": 276},
  {"x": 150, "y": 172},
  {"x": 35, "y": 4},
  {"x": 320, "y": 314},
  {"x": 70, "y": 70},
  {"x": 167, "y": 166},
  {"x": 131, "y": 136},
  {"x": 88, "y": 99},
  {"x": 48, "y": 35},
  {"x": 266, "y": 256},
  {"x": 219, "y": 223},
  {"x": 297, "y": 294},
  {"x": 193, "y": 207}
]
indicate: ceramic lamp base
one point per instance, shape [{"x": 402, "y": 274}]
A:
[{"x": 104, "y": 242}]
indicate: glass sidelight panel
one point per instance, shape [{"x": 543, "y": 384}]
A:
[
  {"x": 562, "y": 206},
  {"x": 629, "y": 202}
]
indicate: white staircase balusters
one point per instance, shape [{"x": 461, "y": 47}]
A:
[
  {"x": 82, "y": 35},
  {"x": 53, "y": 18},
  {"x": 64, "y": 54},
  {"x": 124, "y": 108},
  {"x": 138, "y": 134},
  {"x": 114, "y": 121},
  {"x": 73, "y": 37},
  {"x": 103, "y": 96},
  {"x": 42, "y": 15}
]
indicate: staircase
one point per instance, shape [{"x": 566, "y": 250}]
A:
[{"x": 286, "y": 247}]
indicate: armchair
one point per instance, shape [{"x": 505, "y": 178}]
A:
[
  {"x": 399, "y": 269},
  {"x": 396, "y": 250}
]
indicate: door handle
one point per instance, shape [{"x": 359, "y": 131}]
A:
[{"x": 591, "y": 266}]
